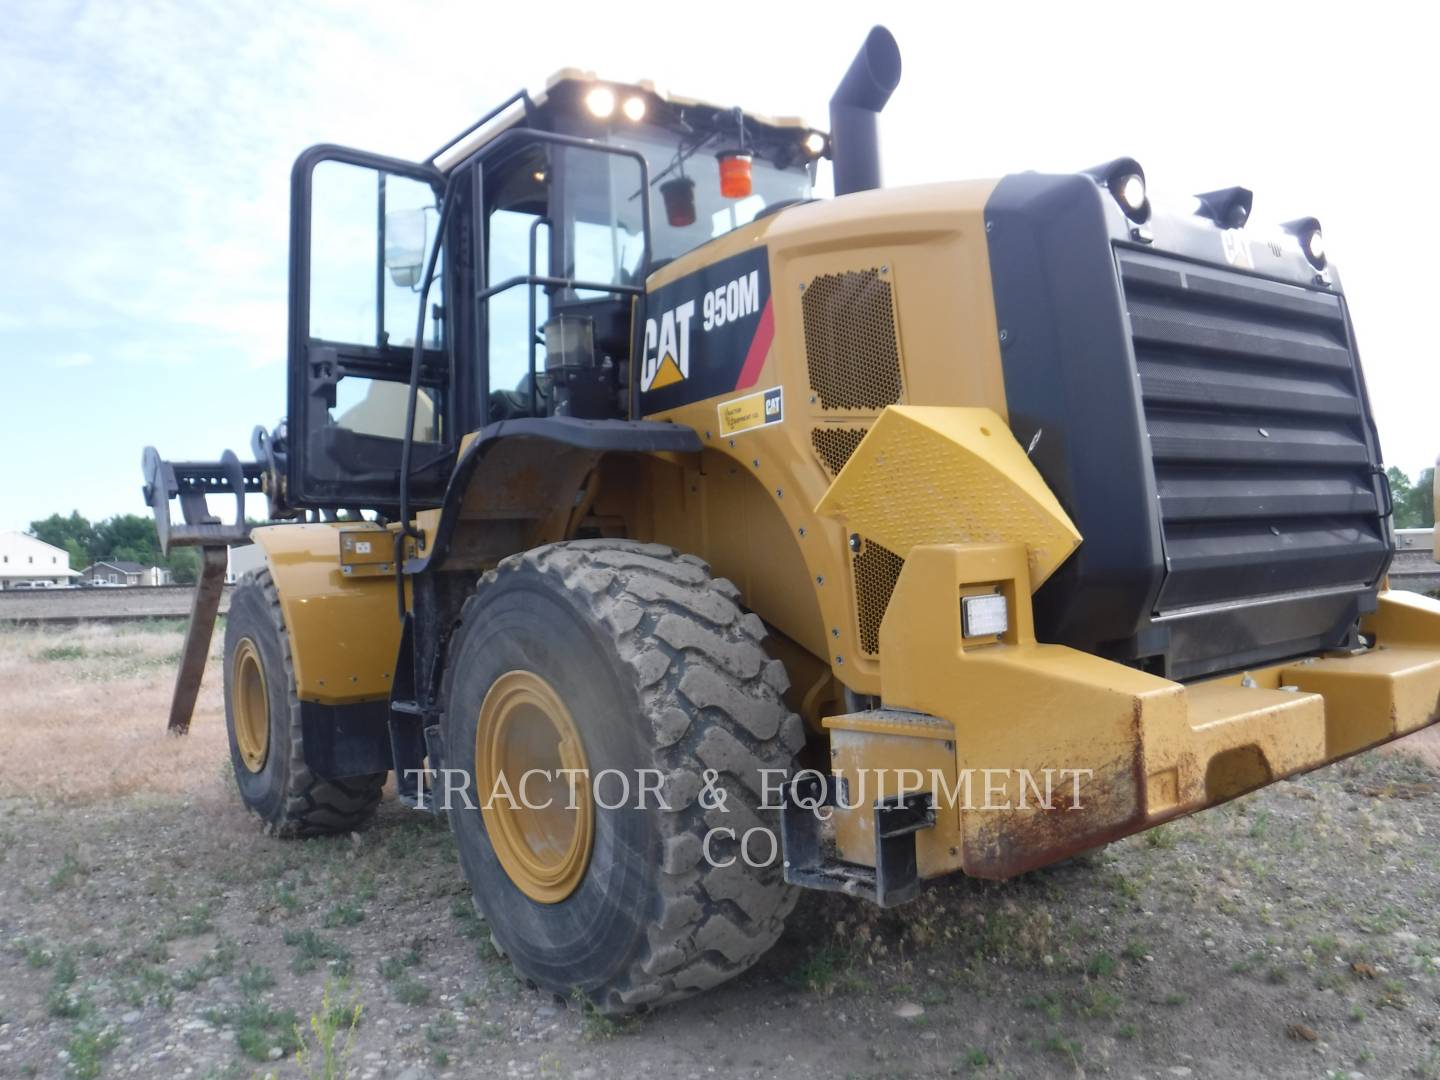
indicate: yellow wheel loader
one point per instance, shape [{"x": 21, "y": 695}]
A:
[{"x": 689, "y": 540}]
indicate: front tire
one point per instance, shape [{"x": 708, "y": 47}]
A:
[
  {"x": 658, "y": 670},
  {"x": 262, "y": 717}
]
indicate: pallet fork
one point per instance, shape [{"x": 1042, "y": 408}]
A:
[{"x": 190, "y": 482}]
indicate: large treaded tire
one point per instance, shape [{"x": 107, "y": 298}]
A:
[
  {"x": 285, "y": 794},
  {"x": 661, "y": 669}
]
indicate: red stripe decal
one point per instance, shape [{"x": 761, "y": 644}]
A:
[{"x": 759, "y": 347}]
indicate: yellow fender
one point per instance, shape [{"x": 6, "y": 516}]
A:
[{"x": 344, "y": 628}]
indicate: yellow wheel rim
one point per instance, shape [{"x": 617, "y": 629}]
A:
[
  {"x": 540, "y": 820},
  {"x": 250, "y": 705}
]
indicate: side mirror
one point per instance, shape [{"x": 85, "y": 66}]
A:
[{"x": 405, "y": 246}]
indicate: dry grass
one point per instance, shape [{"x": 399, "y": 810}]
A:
[
  {"x": 1424, "y": 745},
  {"x": 83, "y": 712}
]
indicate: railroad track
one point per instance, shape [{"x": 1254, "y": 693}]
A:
[{"x": 68, "y": 606}]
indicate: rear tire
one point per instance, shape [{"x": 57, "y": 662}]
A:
[
  {"x": 660, "y": 670},
  {"x": 262, "y": 718}
]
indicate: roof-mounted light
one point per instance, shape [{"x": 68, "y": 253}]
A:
[
  {"x": 600, "y": 100},
  {"x": 634, "y": 109}
]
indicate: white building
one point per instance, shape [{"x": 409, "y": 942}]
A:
[
  {"x": 23, "y": 558},
  {"x": 243, "y": 558}
]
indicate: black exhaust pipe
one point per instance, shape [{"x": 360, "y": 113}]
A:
[{"x": 855, "y": 112}]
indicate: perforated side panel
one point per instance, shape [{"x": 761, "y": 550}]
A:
[
  {"x": 850, "y": 344},
  {"x": 877, "y": 569},
  {"x": 835, "y": 445}
]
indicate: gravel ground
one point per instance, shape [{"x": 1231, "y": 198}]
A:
[{"x": 149, "y": 928}]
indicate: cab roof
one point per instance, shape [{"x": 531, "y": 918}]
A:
[{"x": 567, "y": 83}]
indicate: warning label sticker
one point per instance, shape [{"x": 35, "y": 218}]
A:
[{"x": 751, "y": 411}]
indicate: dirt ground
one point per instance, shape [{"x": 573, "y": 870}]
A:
[{"x": 149, "y": 928}]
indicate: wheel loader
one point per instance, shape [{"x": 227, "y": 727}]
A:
[{"x": 689, "y": 540}]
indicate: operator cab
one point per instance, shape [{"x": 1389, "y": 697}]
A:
[
  {"x": 559, "y": 209},
  {"x": 707, "y": 171}
]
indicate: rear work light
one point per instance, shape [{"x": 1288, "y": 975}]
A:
[{"x": 986, "y": 615}]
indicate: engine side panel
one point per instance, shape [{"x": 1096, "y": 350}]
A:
[{"x": 781, "y": 344}]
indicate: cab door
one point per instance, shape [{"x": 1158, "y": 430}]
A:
[{"x": 361, "y": 232}]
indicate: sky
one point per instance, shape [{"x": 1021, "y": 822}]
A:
[{"x": 145, "y": 151}]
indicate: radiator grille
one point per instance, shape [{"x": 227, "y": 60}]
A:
[
  {"x": 834, "y": 445},
  {"x": 1263, "y": 465},
  {"x": 877, "y": 569},
  {"x": 850, "y": 345}
]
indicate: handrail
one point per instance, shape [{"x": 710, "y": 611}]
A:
[
  {"x": 533, "y": 280},
  {"x": 519, "y": 95},
  {"x": 530, "y": 334},
  {"x": 559, "y": 283}
]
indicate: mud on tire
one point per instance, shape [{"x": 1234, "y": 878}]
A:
[
  {"x": 661, "y": 670},
  {"x": 284, "y": 793}
]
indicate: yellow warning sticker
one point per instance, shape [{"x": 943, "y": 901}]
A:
[{"x": 751, "y": 411}]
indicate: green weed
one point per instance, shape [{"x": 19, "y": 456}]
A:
[
  {"x": 310, "y": 949},
  {"x": 333, "y": 1029}
]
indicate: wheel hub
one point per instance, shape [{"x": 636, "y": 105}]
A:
[
  {"x": 250, "y": 706},
  {"x": 532, "y": 780}
]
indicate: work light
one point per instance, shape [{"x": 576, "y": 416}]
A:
[
  {"x": 985, "y": 615},
  {"x": 1312, "y": 242},
  {"x": 1130, "y": 190},
  {"x": 600, "y": 101},
  {"x": 634, "y": 109},
  {"x": 1125, "y": 180}
]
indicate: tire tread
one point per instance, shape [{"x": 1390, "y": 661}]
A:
[
  {"x": 312, "y": 806},
  {"x": 675, "y": 626}
]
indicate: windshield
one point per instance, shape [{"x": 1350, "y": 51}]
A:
[{"x": 715, "y": 214}]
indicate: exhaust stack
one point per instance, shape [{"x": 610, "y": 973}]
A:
[{"x": 855, "y": 112}]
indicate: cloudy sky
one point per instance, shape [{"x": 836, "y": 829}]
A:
[{"x": 145, "y": 152}]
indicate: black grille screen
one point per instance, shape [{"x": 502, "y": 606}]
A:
[{"x": 1264, "y": 467}]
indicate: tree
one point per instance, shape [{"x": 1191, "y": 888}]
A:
[
  {"x": 1420, "y": 503},
  {"x": 128, "y": 538},
  {"x": 122, "y": 538},
  {"x": 184, "y": 563},
  {"x": 1414, "y": 503},
  {"x": 74, "y": 533}
]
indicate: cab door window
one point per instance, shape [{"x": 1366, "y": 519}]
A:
[{"x": 370, "y": 233}]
